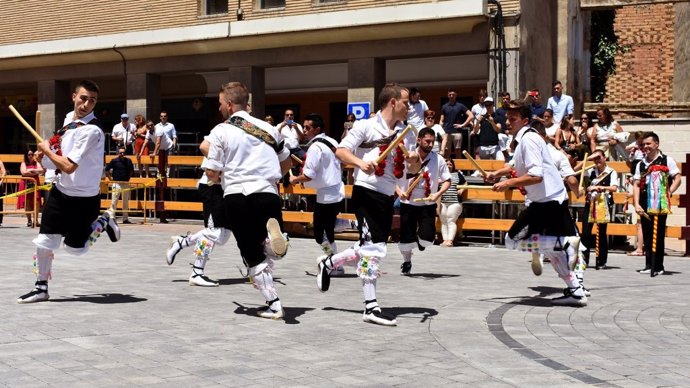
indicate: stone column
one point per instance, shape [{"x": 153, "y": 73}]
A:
[
  {"x": 54, "y": 101},
  {"x": 255, "y": 79},
  {"x": 365, "y": 79},
  {"x": 143, "y": 96}
]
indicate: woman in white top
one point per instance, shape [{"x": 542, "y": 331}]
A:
[
  {"x": 602, "y": 135},
  {"x": 551, "y": 126}
]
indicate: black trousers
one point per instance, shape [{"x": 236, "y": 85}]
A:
[
  {"x": 325, "y": 215},
  {"x": 648, "y": 234},
  {"x": 375, "y": 211},
  {"x": 247, "y": 216},
  {"x": 417, "y": 222},
  {"x": 212, "y": 201},
  {"x": 590, "y": 242}
]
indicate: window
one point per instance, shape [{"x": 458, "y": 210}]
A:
[
  {"x": 214, "y": 7},
  {"x": 268, "y": 4},
  {"x": 326, "y": 2}
]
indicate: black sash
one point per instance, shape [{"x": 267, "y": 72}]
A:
[
  {"x": 325, "y": 142},
  {"x": 376, "y": 143},
  {"x": 421, "y": 169}
]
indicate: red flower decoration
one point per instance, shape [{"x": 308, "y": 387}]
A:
[
  {"x": 427, "y": 184},
  {"x": 381, "y": 167},
  {"x": 399, "y": 166},
  {"x": 54, "y": 142}
]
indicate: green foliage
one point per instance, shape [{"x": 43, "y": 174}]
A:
[{"x": 604, "y": 48}]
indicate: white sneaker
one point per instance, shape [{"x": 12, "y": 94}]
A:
[
  {"x": 202, "y": 280},
  {"x": 174, "y": 249},
  {"x": 537, "y": 263},
  {"x": 571, "y": 298},
  {"x": 36, "y": 295},
  {"x": 111, "y": 228},
  {"x": 267, "y": 313},
  {"x": 277, "y": 239},
  {"x": 376, "y": 316},
  {"x": 323, "y": 274}
]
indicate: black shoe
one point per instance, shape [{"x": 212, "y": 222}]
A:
[
  {"x": 126, "y": 222},
  {"x": 406, "y": 267},
  {"x": 112, "y": 229},
  {"x": 38, "y": 294},
  {"x": 323, "y": 276}
]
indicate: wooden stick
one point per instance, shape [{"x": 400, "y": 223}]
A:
[
  {"x": 586, "y": 168},
  {"x": 422, "y": 199},
  {"x": 26, "y": 125},
  {"x": 38, "y": 122},
  {"x": 582, "y": 173},
  {"x": 654, "y": 233},
  {"x": 476, "y": 187},
  {"x": 297, "y": 159},
  {"x": 414, "y": 184},
  {"x": 394, "y": 144},
  {"x": 474, "y": 162},
  {"x": 404, "y": 150}
]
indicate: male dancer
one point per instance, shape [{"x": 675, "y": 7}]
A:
[
  {"x": 76, "y": 150},
  {"x": 250, "y": 156},
  {"x": 322, "y": 172},
  {"x": 603, "y": 182},
  {"x": 545, "y": 225},
  {"x": 418, "y": 195},
  {"x": 215, "y": 231},
  {"x": 372, "y": 194}
]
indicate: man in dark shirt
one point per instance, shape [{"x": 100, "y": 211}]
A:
[
  {"x": 534, "y": 99},
  {"x": 455, "y": 120},
  {"x": 488, "y": 129},
  {"x": 120, "y": 170}
]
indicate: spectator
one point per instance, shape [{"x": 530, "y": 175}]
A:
[
  {"x": 347, "y": 125},
  {"x": 603, "y": 182},
  {"x": 31, "y": 168},
  {"x": 120, "y": 170},
  {"x": 584, "y": 133},
  {"x": 451, "y": 206},
  {"x": 141, "y": 145},
  {"x": 150, "y": 145},
  {"x": 292, "y": 133},
  {"x": 415, "y": 114},
  {"x": 166, "y": 139},
  {"x": 504, "y": 137},
  {"x": 3, "y": 172},
  {"x": 657, "y": 172},
  {"x": 551, "y": 126},
  {"x": 487, "y": 130},
  {"x": 604, "y": 130},
  {"x": 560, "y": 104},
  {"x": 479, "y": 109},
  {"x": 269, "y": 119},
  {"x": 123, "y": 133},
  {"x": 441, "y": 136},
  {"x": 533, "y": 98},
  {"x": 566, "y": 139},
  {"x": 455, "y": 120}
]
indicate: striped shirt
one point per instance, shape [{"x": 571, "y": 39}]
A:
[{"x": 451, "y": 195}]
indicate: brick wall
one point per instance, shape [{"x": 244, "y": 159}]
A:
[
  {"x": 644, "y": 72},
  {"x": 35, "y": 20}
]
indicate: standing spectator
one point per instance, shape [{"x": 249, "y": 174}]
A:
[
  {"x": 3, "y": 172},
  {"x": 31, "y": 168},
  {"x": 140, "y": 141},
  {"x": 123, "y": 133},
  {"x": 415, "y": 115},
  {"x": 347, "y": 125},
  {"x": 292, "y": 133},
  {"x": 455, "y": 120},
  {"x": 441, "y": 136},
  {"x": 504, "y": 138},
  {"x": 654, "y": 175},
  {"x": 120, "y": 170},
  {"x": 451, "y": 206},
  {"x": 149, "y": 146},
  {"x": 560, "y": 104},
  {"x": 488, "y": 129},
  {"x": 269, "y": 119},
  {"x": 533, "y": 98},
  {"x": 166, "y": 139},
  {"x": 603, "y": 182},
  {"x": 604, "y": 131},
  {"x": 479, "y": 109}
]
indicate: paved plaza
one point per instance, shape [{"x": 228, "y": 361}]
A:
[{"x": 468, "y": 316}]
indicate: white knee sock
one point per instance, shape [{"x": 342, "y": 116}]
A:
[
  {"x": 44, "y": 263},
  {"x": 369, "y": 289},
  {"x": 339, "y": 259},
  {"x": 264, "y": 282},
  {"x": 407, "y": 256}
]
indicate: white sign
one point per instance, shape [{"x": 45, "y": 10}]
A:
[{"x": 359, "y": 109}]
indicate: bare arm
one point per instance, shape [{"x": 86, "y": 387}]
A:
[
  {"x": 62, "y": 163},
  {"x": 204, "y": 147},
  {"x": 346, "y": 156},
  {"x": 521, "y": 181}
]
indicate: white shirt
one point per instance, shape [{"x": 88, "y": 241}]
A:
[
  {"x": 532, "y": 157},
  {"x": 478, "y": 109},
  {"x": 438, "y": 172},
  {"x": 127, "y": 134},
  {"x": 439, "y": 133},
  {"x": 551, "y": 130},
  {"x": 84, "y": 146},
  {"x": 560, "y": 106},
  {"x": 612, "y": 173},
  {"x": 415, "y": 115},
  {"x": 289, "y": 133},
  {"x": 167, "y": 133},
  {"x": 561, "y": 161},
  {"x": 323, "y": 168},
  {"x": 248, "y": 164},
  {"x": 371, "y": 129}
]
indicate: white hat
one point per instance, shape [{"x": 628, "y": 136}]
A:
[
  {"x": 124, "y": 116},
  {"x": 489, "y": 99}
]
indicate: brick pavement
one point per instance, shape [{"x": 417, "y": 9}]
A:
[{"x": 469, "y": 316}]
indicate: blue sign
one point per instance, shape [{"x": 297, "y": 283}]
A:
[{"x": 359, "y": 109}]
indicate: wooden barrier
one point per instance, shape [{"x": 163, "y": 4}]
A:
[{"x": 483, "y": 224}]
